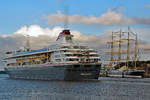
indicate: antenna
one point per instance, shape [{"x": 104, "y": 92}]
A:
[
  {"x": 65, "y": 7},
  {"x": 66, "y": 11},
  {"x": 28, "y": 43}
]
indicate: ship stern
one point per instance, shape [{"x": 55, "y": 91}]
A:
[{"x": 83, "y": 72}]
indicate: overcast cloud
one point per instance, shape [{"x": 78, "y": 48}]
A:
[{"x": 43, "y": 37}]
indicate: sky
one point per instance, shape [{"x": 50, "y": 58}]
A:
[
  {"x": 90, "y": 21},
  {"x": 85, "y": 17},
  {"x": 18, "y": 13}
]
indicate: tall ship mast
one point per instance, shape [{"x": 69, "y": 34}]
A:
[
  {"x": 65, "y": 59},
  {"x": 124, "y": 44}
]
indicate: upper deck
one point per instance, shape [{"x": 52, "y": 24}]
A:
[{"x": 62, "y": 51}]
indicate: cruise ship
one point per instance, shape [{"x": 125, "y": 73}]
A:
[{"x": 65, "y": 59}]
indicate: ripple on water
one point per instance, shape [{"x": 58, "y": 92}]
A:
[{"x": 112, "y": 89}]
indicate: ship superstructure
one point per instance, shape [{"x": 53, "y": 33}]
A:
[{"x": 63, "y": 60}]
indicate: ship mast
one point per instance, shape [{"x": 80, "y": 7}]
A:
[
  {"x": 28, "y": 43},
  {"x": 112, "y": 50},
  {"x": 65, "y": 14},
  {"x": 66, "y": 11},
  {"x": 136, "y": 49},
  {"x": 116, "y": 39},
  {"x": 119, "y": 56},
  {"x": 128, "y": 49}
]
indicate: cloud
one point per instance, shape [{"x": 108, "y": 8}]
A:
[
  {"x": 137, "y": 20},
  {"x": 43, "y": 37},
  {"x": 36, "y": 30},
  {"x": 111, "y": 17},
  {"x": 39, "y": 37},
  {"x": 143, "y": 34},
  {"x": 147, "y": 6},
  {"x": 108, "y": 18}
]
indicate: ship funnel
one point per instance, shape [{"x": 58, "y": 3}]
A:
[{"x": 64, "y": 33}]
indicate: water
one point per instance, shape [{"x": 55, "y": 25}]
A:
[{"x": 104, "y": 89}]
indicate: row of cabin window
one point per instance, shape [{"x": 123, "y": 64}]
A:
[
  {"x": 87, "y": 60},
  {"x": 75, "y": 47},
  {"x": 25, "y": 63},
  {"x": 80, "y": 55},
  {"x": 57, "y": 60},
  {"x": 78, "y": 51}
]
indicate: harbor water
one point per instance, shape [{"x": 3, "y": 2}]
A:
[{"x": 103, "y": 89}]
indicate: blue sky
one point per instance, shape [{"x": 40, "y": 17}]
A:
[
  {"x": 17, "y": 13},
  {"x": 87, "y": 17}
]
